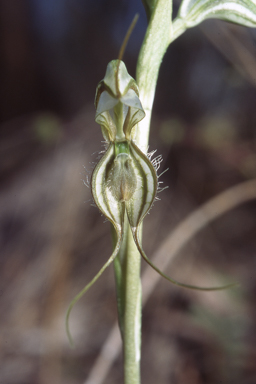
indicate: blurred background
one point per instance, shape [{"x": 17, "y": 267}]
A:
[{"x": 53, "y": 53}]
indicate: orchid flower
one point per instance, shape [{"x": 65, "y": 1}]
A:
[{"x": 125, "y": 181}]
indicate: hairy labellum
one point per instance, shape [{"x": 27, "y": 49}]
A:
[{"x": 122, "y": 179}]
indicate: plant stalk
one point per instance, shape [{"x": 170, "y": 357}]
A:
[
  {"x": 128, "y": 283},
  {"x": 127, "y": 263},
  {"x": 155, "y": 44}
]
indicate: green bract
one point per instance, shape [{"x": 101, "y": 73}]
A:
[{"x": 193, "y": 12}]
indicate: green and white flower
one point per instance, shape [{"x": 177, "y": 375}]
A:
[{"x": 125, "y": 181}]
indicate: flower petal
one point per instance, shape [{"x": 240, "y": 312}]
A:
[
  {"x": 88, "y": 286},
  {"x": 118, "y": 107},
  {"x": 103, "y": 197},
  {"x": 141, "y": 202},
  {"x": 135, "y": 232}
]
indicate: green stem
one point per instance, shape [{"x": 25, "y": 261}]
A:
[
  {"x": 132, "y": 315},
  {"x": 127, "y": 271},
  {"x": 127, "y": 264},
  {"x": 155, "y": 44},
  {"x": 178, "y": 28}
]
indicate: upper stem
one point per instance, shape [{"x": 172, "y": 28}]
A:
[{"x": 155, "y": 44}]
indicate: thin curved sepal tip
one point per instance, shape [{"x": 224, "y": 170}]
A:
[
  {"x": 175, "y": 282},
  {"x": 88, "y": 286}
]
